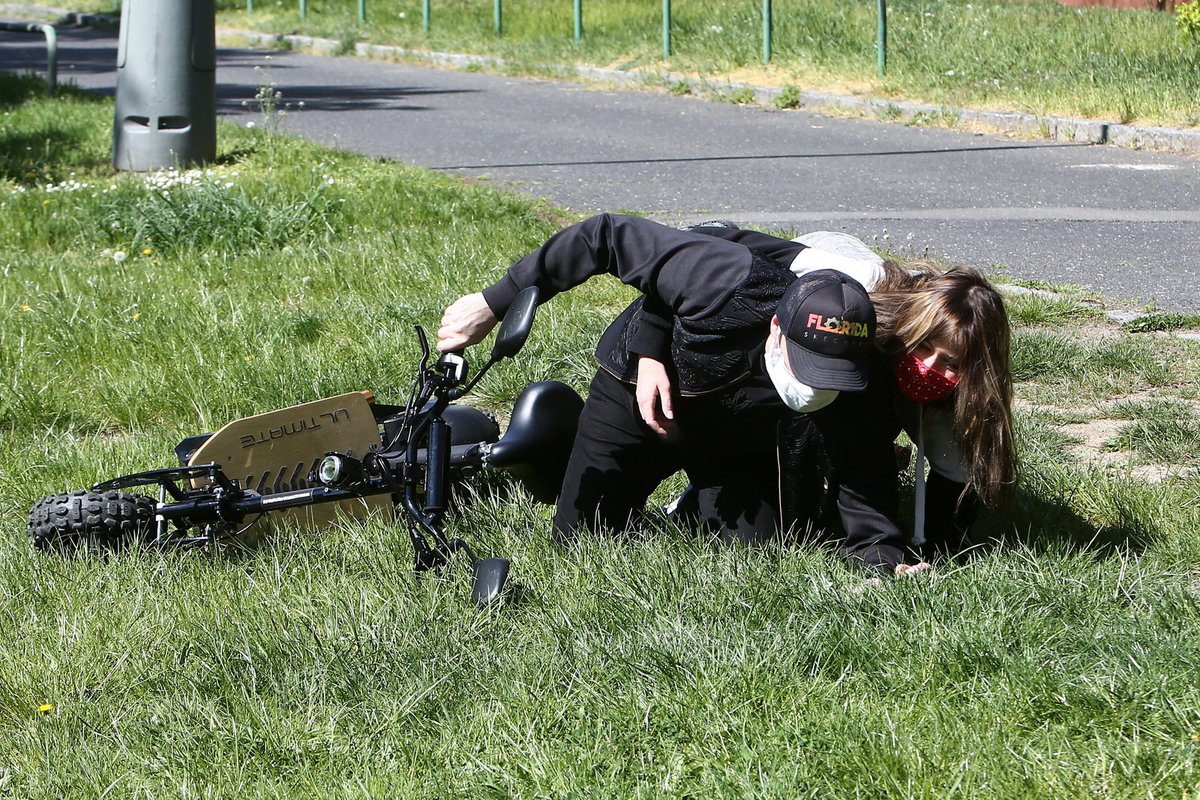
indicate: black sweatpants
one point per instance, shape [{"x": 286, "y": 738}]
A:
[{"x": 724, "y": 442}]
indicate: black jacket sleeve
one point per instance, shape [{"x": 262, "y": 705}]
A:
[
  {"x": 766, "y": 245},
  {"x": 950, "y": 510},
  {"x": 653, "y": 337},
  {"x": 684, "y": 274},
  {"x": 859, "y": 430}
]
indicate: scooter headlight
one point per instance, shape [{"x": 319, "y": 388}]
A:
[{"x": 338, "y": 471}]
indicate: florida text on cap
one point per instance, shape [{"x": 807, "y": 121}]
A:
[{"x": 829, "y": 322}]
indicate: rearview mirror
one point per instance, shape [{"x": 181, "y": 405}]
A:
[{"x": 518, "y": 321}]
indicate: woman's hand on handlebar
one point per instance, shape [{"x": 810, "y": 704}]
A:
[
  {"x": 654, "y": 395},
  {"x": 466, "y": 321}
]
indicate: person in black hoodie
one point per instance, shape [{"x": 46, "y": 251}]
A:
[
  {"x": 746, "y": 343},
  {"x": 690, "y": 378}
]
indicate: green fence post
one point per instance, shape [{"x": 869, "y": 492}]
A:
[
  {"x": 303, "y": 9},
  {"x": 249, "y": 5},
  {"x": 666, "y": 28},
  {"x": 767, "y": 31},
  {"x": 425, "y": 15},
  {"x": 362, "y": 10},
  {"x": 578, "y": 20},
  {"x": 499, "y": 14},
  {"x": 881, "y": 39}
]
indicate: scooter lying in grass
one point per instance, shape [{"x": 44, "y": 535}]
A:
[{"x": 344, "y": 450}]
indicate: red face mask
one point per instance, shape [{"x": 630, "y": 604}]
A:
[{"x": 920, "y": 382}]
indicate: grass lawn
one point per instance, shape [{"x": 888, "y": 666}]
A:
[{"x": 136, "y": 310}]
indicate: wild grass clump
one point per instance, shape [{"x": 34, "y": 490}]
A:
[{"x": 1055, "y": 659}]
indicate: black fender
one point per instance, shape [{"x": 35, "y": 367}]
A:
[
  {"x": 469, "y": 425},
  {"x": 537, "y": 444}
]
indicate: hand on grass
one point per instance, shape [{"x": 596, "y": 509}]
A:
[{"x": 898, "y": 571}]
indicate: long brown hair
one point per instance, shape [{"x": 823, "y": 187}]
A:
[{"x": 959, "y": 310}]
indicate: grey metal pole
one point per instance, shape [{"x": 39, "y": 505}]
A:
[
  {"x": 766, "y": 31},
  {"x": 51, "y": 58},
  {"x": 166, "y": 109},
  {"x": 881, "y": 39},
  {"x": 666, "y": 28}
]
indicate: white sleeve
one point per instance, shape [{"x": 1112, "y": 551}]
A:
[{"x": 864, "y": 271}]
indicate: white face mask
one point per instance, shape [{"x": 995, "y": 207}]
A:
[{"x": 799, "y": 397}]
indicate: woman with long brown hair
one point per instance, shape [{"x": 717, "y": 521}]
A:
[
  {"x": 954, "y": 322},
  {"x": 942, "y": 375}
]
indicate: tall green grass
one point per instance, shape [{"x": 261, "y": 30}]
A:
[
  {"x": 1036, "y": 55},
  {"x": 1058, "y": 662}
]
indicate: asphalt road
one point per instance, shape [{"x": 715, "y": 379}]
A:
[{"x": 1125, "y": 223}]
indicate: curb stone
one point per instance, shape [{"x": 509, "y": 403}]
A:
[
  {"x": 1056, "y": 128},
  {"x": 1119, "y": 316}
]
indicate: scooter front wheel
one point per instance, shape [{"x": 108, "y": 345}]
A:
[{"x": 91, "y": 522}]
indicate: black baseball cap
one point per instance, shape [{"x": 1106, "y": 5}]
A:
[{"x": 828, "y": 322}]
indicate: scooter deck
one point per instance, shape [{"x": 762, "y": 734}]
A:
[{"x": 278, "y": 451}]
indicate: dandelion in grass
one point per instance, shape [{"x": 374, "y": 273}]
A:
[
  {"x": 119, "y": 256},
  {"x": 146, "y": 251},
  {"x": 45, "y": 708},
  {"x": 26, "y": 308}
]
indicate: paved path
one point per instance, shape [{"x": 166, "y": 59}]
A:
[{"x": 1124, "y": 222}]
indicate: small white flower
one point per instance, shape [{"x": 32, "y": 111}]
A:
[
  {"x": 950, "y": 73},
  {"x": 250, "y": 124},
  {"x": 119, "y": 256}
]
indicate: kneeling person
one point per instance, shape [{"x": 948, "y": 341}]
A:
[{"x": 743, "y": 341}]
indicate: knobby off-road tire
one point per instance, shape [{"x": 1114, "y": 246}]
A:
[{"x": 91, "y": 522}]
